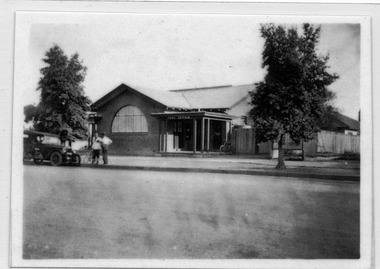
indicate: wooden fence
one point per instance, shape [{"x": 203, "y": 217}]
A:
[
  {"x": 243, "y": 142},
  {"x": 338, "y": 143}
]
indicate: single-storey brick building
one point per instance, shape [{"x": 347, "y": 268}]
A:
[{"x": 146, "y": 122}]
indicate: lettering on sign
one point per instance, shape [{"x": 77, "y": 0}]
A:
[{"x": 178, "y": 117}]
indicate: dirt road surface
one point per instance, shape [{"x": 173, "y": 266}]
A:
[{"x": 92, "y": 213}]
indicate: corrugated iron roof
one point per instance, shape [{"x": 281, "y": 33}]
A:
[
  {"x": 215, "y": 97},
  {"x": 220, "y": 97},
  {"x": 167, "y": 98}
]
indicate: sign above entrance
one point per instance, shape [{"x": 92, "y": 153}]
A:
[
  {"x": 186, "y": 115},
  {"x": 179, "y": 118}
]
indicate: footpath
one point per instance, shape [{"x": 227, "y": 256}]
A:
[{"x": 321, "y": 168}]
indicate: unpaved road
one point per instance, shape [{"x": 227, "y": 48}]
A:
[{"x": 100, "y": 213}]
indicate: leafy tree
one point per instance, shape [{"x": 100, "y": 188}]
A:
[
  {"x": 293, "y": 97},
  {"x": 329, "y": 119},
  {"x": 63, "y": 104},
  {"x": 30, "y": 112}
]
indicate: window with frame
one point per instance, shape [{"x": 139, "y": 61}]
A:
[{"x": 129, "y": 119}]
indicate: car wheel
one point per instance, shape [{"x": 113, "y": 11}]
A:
[{"x": 56, "y": 159}]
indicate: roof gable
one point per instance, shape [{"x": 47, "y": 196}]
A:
[
  {"x": 108, "y": 97},
  {"x": 220, "y": 97},
  {"x": 116, "y": 92}
]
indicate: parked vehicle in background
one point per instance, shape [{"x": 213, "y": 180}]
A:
[
  {"x": 294, "y": 154},
  {"x": 39, "y": 147}
]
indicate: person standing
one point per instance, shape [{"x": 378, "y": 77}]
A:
[
  {"x": 96, "y": 147},
  {"x": 105, "y": 144}
]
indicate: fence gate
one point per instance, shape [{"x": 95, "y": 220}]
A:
[{"x": 243, "y": 140}]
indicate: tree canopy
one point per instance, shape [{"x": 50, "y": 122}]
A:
[
  {"x": 293, "y": 97},
  {"x": 63, "y": 104},
  {"x": 30, "y": 112}
]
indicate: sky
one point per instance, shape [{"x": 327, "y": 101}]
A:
[{"x": 166, "y": 52}]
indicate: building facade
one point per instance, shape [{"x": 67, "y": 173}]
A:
[{"x": 147, "y": 122}]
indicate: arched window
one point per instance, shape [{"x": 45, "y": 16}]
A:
[{"x": 129, "y": 119}]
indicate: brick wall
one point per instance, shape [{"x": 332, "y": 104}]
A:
[{"x": 131, "y": 143}]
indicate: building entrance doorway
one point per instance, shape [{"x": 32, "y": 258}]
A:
[
  {"x": 183, "y": 135},
  {"x": 193, "y": 131}
]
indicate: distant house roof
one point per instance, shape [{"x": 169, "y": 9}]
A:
[
  {"x": 220, "y": 97},
  {"x": 349, "y": 123},
  {"x": 341, "y": 122}
]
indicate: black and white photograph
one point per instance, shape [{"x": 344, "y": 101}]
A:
[{"x": 191, "y": 140}]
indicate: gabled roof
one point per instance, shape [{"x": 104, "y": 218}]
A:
[
  {"x": 220, "y": 97},
  {"x": 340, "y": 122},
  {"x": 167, "y": 99},
  {"x": 347, "y": 122}
]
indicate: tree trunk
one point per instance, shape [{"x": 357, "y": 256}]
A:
[{"x": 281, "y": 163}]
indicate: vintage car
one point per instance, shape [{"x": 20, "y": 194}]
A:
[
  {"x": 294, "y": 154},
  {"x": 292, "y": 150},
  {"x": 39, "y": 147}
]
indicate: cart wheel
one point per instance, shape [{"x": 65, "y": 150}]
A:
[{"x": 56, "y": 159}]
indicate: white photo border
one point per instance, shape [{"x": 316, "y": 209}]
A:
[{"x": 355, "y": 14}]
